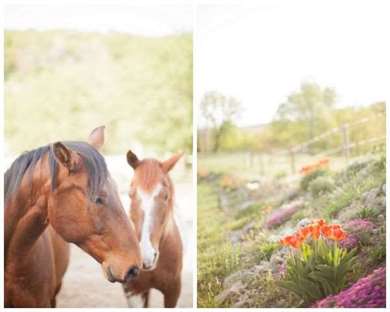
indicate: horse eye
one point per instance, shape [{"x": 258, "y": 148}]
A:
[{"x": 99, "y": 200}]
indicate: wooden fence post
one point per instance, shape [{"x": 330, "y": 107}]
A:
[
  {"x": 345, "y": 147},
  {"x": 261, "y": 159},
  {"x": 292, "y": 160}
]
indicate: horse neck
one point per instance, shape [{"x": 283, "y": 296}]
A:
[{"x": 26, "y": 211}]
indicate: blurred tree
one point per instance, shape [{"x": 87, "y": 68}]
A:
[
  {"x": 219, "y": 112},
  {"x": 68, "y": 82},
  {"x": 311, "y": 105}
]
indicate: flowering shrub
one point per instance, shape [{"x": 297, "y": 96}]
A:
[
  {"x": 367, "y": 292},
  {"x": 317, "y": 267},
  {"x": 282, "y": 215},
  {"x": 360, "y": 225},
  {"x": 350, "y": 242},
  {"x": 320, "y": 185},
  {"x": 316, "y": 230},
  {"x": 321, "y": 164},
  {"x": 360, "y": 230},
  {"x": 308, "y": 178}
]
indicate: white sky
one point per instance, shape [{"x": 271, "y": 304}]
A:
[
  {"x": 149, "y": 18},
  {"x": 258, "y": 51},
  {"x": 262, "y": 52}
]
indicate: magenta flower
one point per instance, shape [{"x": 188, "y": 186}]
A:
[
  {"x": 360, "y": 225},
  {"x": 367, "y": 292}
]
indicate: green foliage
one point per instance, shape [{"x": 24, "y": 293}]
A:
[
  {"x": 250, "y": 212},
  {"x": 307, "y": 179},
  {"x": 216, "y": 257},
  {"x": 367, "y": 213},
  {"x": 242, "y": 217},
  {"x": 67, "y": 83},
  {"x": 321, "y": 185},
  {"x": 310, "y": 105},
  {"x": 318, "y": 270},
  {"x": 266, "y": 250},
  {"x": 219, "y": 112},
  {"x": 353, "y": 189},
  {"x": 355, "y": 167}
]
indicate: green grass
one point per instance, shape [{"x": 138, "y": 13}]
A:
[
  {"x": 217, "y": 258},
  {"x": 240, "y": 164},
  {"x": 354, "y": 189}
]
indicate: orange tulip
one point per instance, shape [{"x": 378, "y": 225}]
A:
[
  {"x": 315, "y": 232},
  {"x": 320, "y": 222},
  {"x": 303, "y": 233},
  {"x": 338, "y": 234},
  {"x": 316, "y": 229},
  {"x": 291, "y": 240},
  {"x": 326, "y": 230}
]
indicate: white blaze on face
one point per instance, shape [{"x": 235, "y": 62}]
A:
[{"x": 147, "y": 203}]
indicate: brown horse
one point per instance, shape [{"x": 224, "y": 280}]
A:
[
  {"x": 56, "y": 194},
  {"x": 152, "y": 200}
]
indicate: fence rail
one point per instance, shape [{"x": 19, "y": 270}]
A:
[
  {"x": 346, "y": 145},
  {"x": 279, "y": 162}
]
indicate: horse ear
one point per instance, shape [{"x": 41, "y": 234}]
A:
[
  {"x": 63, "y": 155},
  {"x": 132, "y": 159},
  {"x": 96, "y": 138},
  {"x": 168, "y": 164}
]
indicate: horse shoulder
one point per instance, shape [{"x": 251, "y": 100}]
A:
[{"x": 30, "y": 279}]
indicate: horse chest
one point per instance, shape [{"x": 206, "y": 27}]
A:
[{"x": 30, "y": 280}]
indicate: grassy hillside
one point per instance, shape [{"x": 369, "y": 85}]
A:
[
  {"x": 240, "y": 223},
  {"x": 61, "y": 84}
]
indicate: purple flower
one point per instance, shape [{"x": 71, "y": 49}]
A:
[
  {"x": 367, "y": 292},
  {"x": 359, "y": 225},
  {"x": 350, "y": 242},
  {"x": 283, "y": 214}
]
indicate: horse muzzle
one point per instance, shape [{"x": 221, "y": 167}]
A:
[{"x": 130, "y": 274}]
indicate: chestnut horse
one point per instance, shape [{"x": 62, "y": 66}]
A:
[
  {"x": 152, "y": 201},
  {"x": 57, "y": 194}
]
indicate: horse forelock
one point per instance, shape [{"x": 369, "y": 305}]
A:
[{"x": 94, "y": 163}]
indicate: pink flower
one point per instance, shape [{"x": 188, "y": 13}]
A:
[
  {"x": 281, "y": 215},
  {"x": 367, "y": 292}
]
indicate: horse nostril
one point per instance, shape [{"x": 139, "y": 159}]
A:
[{"x": 132, "y": 273}]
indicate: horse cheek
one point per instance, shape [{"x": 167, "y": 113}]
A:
[{"x": 68, "y": 218}]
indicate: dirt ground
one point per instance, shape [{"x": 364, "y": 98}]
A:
[{"x": 84, "y": 284}]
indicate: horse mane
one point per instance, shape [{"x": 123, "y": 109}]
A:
[{"x": 93, "y": 161}]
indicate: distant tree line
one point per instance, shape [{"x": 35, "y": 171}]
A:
[{"x": 306, "y": 113}]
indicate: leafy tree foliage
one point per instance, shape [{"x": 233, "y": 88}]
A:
[
  {"x": 219, "y": 112},
  {"x": 311, "y": 105},
  {"x": 60, "y": 84}
]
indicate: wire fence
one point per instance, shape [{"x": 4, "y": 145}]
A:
[
  {"x": 346, "y": 145},
  {"x": 289, "y": 160}
]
